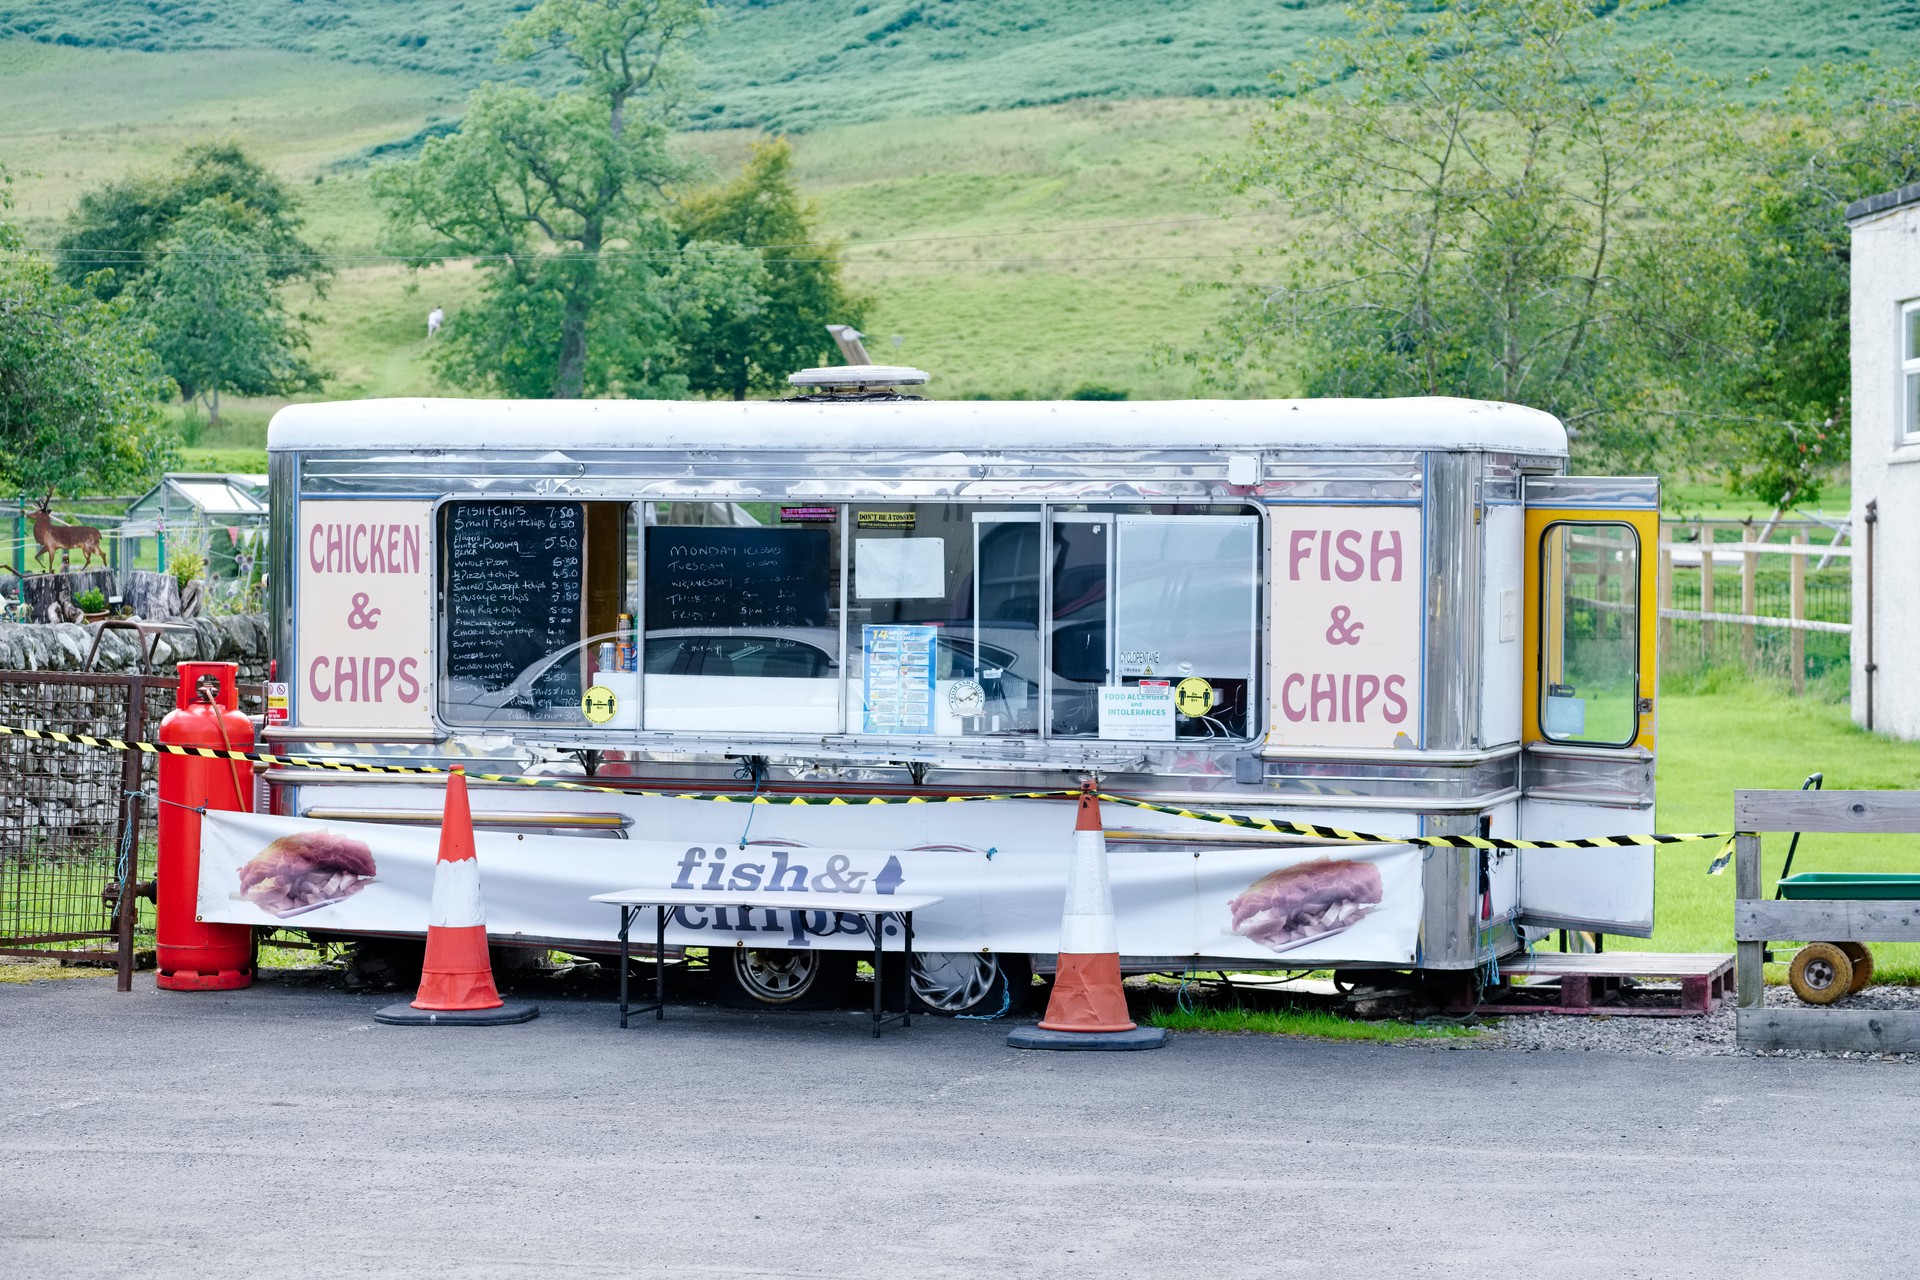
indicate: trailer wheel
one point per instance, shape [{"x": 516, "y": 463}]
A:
[
  {"x": 970, "y": 983},
  {"x": 1862, "y": 966},
  {"x": 761, "y": 978},
  {"x": 1820, "y": 973}
]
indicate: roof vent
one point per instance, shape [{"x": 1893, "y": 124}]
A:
[
  {"x": 858, "y": 377},
  {"x": 855, "y": 382}
]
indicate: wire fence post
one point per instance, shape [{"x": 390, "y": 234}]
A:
[
  {"x": 1749, "y": 589},
  {"x": 1706, "y": 589},
  {"x": 127, "y": 904},
  {"x": 1797, "y": 610}
]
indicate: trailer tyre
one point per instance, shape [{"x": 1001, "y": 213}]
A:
[
  {"x": 1821, "y": 973},
  {"x": 970, "y": 983},
  {"x": 767, "y": 978},
  {"x": 1862, "y": 966}
]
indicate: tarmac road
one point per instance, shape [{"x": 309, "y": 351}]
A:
[{"x": 280, "y": 1132}]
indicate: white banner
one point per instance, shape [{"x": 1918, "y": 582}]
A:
[{"x": 1296, "y": 906}]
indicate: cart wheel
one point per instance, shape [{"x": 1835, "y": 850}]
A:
[
  {"x": 1820, "y": 973},
  {"x": 1862, "y": 966}
]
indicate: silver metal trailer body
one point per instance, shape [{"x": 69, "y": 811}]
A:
[{"x": 1065, "y": 549}]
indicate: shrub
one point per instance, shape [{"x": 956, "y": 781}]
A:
[{"x": 187, "y": 567}]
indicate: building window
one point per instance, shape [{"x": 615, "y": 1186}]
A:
[{"x": 1910, "y": 372}]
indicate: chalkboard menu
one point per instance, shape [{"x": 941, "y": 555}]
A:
[
  {"x": 514, "y": 574},
  {"x": 743, "y": 578}
]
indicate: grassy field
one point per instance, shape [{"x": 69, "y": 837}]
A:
[
  {"x": 1315, "y": 1023},
  {"x": 1021, "y": 186},
  {"x": 803, "y": 64},
  {"x": 1743, "y": 736},
  {"x": 1019, "y": 253}
]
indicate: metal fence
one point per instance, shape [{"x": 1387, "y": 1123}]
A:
[
  {"x": 1772, "y": 600},
  {"x": 75, "y": 822}
]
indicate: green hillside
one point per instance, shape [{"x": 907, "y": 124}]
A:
[
  {"x": 798, "y": 64},
  {"x": 1021, "y": 185}
]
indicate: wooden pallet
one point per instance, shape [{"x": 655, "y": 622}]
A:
[{"x": 1587, "y": 981}]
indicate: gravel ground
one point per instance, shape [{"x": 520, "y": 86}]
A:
[{"x": 1682, "y": 1037}]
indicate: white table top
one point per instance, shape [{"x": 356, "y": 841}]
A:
[{"x": 860, "y": 903}]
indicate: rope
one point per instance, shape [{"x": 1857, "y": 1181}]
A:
[
  {"x": 753, "y": 768},
  {"x": 1006, "y": 1003}
]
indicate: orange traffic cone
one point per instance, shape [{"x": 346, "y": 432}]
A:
[
  {"x": 1088, "y": 1007},
  {"x": 456, "y": 979}
]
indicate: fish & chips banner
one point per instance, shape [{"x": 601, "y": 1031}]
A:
[{"x": 1295, "y": 905}]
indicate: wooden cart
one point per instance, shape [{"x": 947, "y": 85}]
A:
[{"x": 1839, "y": 924}]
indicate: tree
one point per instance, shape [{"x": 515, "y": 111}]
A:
[
  {"x": 80, "y": 394},
  {"x": 561, "y": 199},
  {"x": 755, "y": 348},
  {"x": 218, "y": 324},
  {"x": 1839, "y": 134},
  {"x": 122, "y": 225},
  {"x": 1499, "y": 199}
]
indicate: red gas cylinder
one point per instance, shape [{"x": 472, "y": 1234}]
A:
[{"x": 195, "y": 956}]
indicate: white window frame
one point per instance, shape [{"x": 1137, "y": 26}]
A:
[{"x": 1909, "y": 370}]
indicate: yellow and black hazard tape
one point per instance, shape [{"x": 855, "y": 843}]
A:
[
  {"x": 1272, "y": 826},
  {"x": 354, "y": 766},
  {"x": 1282, "y": 827}
]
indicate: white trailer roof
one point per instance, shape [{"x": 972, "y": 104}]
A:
[{"x": 1435, "y": 422}]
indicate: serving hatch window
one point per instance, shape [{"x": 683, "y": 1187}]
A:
[
  {"x": 1154, "y": 628},
  {"x": 741, "y": 604},
  {"x": 913, "y": 619},
  {"x": 944, "y": 617},
  {"x": 530, "y": 598}
]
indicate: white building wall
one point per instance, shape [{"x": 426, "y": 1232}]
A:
[{"x": 1886, "y": 275}]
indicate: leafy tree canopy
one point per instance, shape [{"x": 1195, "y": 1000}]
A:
[
  {"x": 114, "y": 234},
  {"x": 1496, "y": 198},
  {"x": 560, "y": 198},
  {"x": 217, "y": 323},
  {"x": 80, "y": 393},
  {"x": 1839, "y": 134},
  {"x": 782, "y": 327}
]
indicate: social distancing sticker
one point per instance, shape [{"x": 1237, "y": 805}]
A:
[
  {"x": 599, "y": 703},
  {"x": 1193, "y": 697}
]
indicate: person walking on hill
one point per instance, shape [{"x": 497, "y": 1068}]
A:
[{"x": 435, "y": 318}]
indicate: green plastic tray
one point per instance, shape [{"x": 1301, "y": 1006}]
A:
[{"x": 1834, "y": 884}]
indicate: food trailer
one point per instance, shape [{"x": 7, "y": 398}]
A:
[{"x": 924, "y": 620}]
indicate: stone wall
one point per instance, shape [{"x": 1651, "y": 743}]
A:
[{"x": 63, "y": 646}]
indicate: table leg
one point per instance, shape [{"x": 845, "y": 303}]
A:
[
  {"x": 660, "y": 964},
  {"x": 906, "y": 958},
  {"x": 626, "y": 922},
  {"x": 876, "y": 922}
]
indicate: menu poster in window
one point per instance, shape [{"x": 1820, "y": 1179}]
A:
[
  {"x": 362, "y": 615},
  {"x": 738, "y": 579},
  {"x": 1347, "y": 600},
  {"x": 897, "y": 684},
  {"x": 899, "y": 568},
  {"x": 514, "y": 574}
]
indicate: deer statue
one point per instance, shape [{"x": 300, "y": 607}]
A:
[{"x": 64, "y": 538}]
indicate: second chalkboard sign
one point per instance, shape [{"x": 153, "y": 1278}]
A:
[
  {"x": 705, "y": 578},
  {"x": 513, "y": 579}
]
